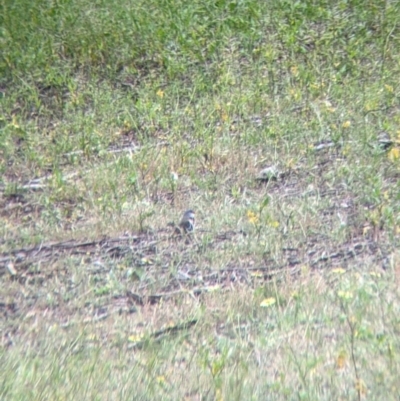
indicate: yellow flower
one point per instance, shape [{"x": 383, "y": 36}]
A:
[
  {"x": 341, "y": 360},
  {"x": 160, "y": 93},
  {"x": 346, "y": 149},
  {"x": 346, "y": 124},
  {"x": 345, "y": 294},
  {"x": 268, "y": 302},
  {"x": 134, "y": 338},
  {"x": 338, "y": 270},
  {"x": 375, "y": 274},
  {"x": 252, "y": 217},
  {"x": 394, "y": 154},
  {"x": 389, "y": 88},
  {"x": 295, "y": 93}
]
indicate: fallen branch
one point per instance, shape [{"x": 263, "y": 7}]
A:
[{"x": 161, "y": 334}]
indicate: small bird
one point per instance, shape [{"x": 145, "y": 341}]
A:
[
  {"x": 384, "y": 140},
  {"x": 270, "y": 173},
  {"x": 187, "y": 222}
]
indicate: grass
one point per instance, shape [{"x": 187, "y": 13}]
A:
[{"x": 115, "y": 118}]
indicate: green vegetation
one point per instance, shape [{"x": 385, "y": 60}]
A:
[{"x": 263, "y": 117}]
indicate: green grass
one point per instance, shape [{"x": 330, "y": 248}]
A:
[{"x": 102, "y": 105}]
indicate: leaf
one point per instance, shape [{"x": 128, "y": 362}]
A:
[{"x": 264, "y": 203}]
